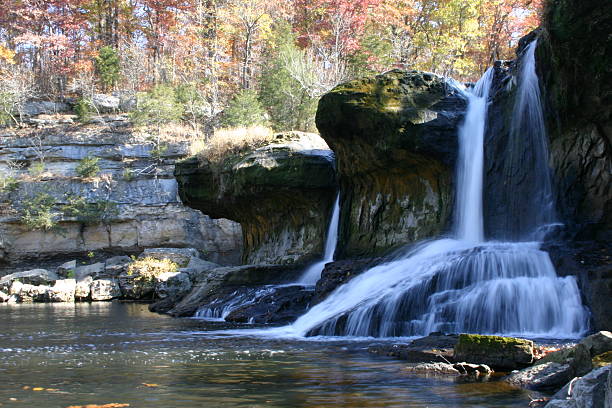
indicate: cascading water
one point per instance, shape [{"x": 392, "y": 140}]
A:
[
  {"x": 462, "y": 284},
  {"x": 221, "y": 307},
  {"x": 313, "y": 273}
]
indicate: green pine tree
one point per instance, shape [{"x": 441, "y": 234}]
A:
[{"x": 108, "y": 67}]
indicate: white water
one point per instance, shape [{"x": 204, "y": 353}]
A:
[
  {"x": 531, "y": 211},
  {"x": 469, "y": 221},
  {"x": 463, "y": 284},
  {"x": 313, "y": 273}
]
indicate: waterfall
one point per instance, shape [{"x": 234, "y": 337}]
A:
[
  {"x": 462, "y": 284},
  {"x": 528, "y": 193},
  {"x": 313, "y": 273},
  {"x": 469, "y": 223}
]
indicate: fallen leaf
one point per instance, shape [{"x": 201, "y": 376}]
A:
[
  {"x": 150, "y": 385},
  {"x": 26, "y": 387},
  {"x": 38, "y": 389}
]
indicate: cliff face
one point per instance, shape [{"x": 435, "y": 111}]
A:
[
  {"x": 576, "y": 62},
  {"x": 395, "y": 139},
  {"x": 135, "y": 180},
  {"x": 281, "y": 194}
]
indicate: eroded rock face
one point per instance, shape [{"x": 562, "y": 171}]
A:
[
  {"x": 281, "y": 194},
  {"x": 138, "y": 180},
  {"x": 395, "y": 139}
]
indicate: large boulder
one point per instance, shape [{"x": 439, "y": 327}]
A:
[
  {"x": 547, "y": 376},
  {"x": 395, "y": 139},
  {"x": 63, "y": 291},
  {"x": 180, "y": 256},
  {"x": 105, "y": 289},
  {"x": 594, "y": 390},
  {"x": 500, "y": 353},
  {"x": 172, "y": 284},
  {"x": 281, "y": 194},
  {"x": 221, "y": 282},
  {"x": 32, "y": 277}
]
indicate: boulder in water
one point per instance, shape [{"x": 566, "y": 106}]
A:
[
  {"x": 32, "y": 277},
  {"x": 501, "y": 353},
  {"x": 548, "y": 376},
  {"x": 63, "y": 291},
  {"x": 172, "y": 284},
  {"x": 105, "y": 289},
  {"x": 594, "y": 390}
]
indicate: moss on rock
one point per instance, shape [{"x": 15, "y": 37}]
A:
[
  {"x": 395, "y": 139},
  {"x": 499, "y": 352}
]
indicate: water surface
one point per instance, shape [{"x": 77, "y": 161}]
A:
[{"x": 102, "y": 353}]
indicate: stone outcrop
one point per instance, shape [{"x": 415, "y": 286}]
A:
[
  {"x": 501, "y": 353},
  {"x": 395, "y": 139},
  {"x": 135, "y": 177},
  {"x": 594, "y": 390},
  {"x": 281, "y": 194}
]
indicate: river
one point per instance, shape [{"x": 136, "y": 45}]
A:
[{"x": 57, "y": 355}]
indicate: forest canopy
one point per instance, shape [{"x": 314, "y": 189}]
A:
[{"x": 285, "y": 52}]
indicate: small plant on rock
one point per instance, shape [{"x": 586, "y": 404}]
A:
[
  {"x": 148, "y": 268},
  {"x": 88, "y": 167},
  {"x": 83, "y": 109},
  {"x": 37, "y": 212}
]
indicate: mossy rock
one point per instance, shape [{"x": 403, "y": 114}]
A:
[{"x": 502, "y": 353}]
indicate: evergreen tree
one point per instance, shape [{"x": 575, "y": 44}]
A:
[
  {"x": 244, "y": 110},
  {"x": 108, "y": 67},
  {"x": 289, "y": 105}
]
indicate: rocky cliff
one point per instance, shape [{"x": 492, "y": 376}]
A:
[
  {"x": 130, "y": 203},
  {"x": 281, "y": 194},
  {"x": 395, "y": 139}
]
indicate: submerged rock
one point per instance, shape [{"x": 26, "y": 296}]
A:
[
  {"x": 281, "y": 193},
  {"x": 436, "y": 347},
  {"x": 395, "y": 139},
  {"x": 501, "y": 353},
  {"x": 434, "y": 368}
]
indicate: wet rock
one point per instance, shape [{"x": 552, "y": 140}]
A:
[
  {"x": 180, "y": 256},
  {"x": 4, "y": 297},
  {"x": 82, "y": 290},
  {"x": 172, "y": 284},
  {"x": 395, "y": 138},
  {"x": 473, "y": 369},
  {"x": 338, "y": 273},
  {"x": 281, "y": 305},
  {"x": 63, "y": 291},
  {"x": 594, "y": 390},
  {"x": 67, "y": 269},
  {"x": 501, "y": 353},
  {"x": 435, "y": 368},
  {"x": 105, "y": 289},
  {"x": 221, "y": 281},
  {"x": 437, "y": 347},
  {"x": 197, "y": 268},
  {"x": 293, "y": 182},
  {"x": 547, "y": 376},
  {"x": 33, "y": 277}
]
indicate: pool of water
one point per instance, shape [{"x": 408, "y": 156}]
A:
[{"x": 58, "y": 355}]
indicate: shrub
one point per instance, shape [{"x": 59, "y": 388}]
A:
[
  {"x": 83, "y": 109},
  {"x": 244, "y": 110},
  {"x": 8, "y": 183},
  {"x": 88, "y": 167},
  {"x": 158, "y": 107},
  {"x": 95, "y": 212},
  {"x": 108, "y": 67},
  {"x": 149, "y": 268},
  {"x": 36, "y": 169},
  {"x": 37, "y": 212}
]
